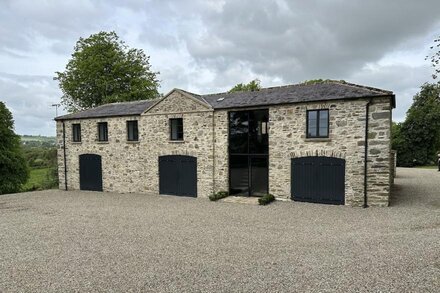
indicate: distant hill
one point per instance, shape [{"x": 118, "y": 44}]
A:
[{"x": 38, "y": 141}]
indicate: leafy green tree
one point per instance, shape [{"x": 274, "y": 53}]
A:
[
  {"x": 320, "y": 80},
  {"x": 13, "y": 169},
  {"x": 435, "y": 58},
  {"x": 104, "y": 70},
  {"x": 252, "y": 86},
  {"x": 417, "y": 139}
]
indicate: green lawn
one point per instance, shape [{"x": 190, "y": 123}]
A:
[{"x": 37, "y": 179}]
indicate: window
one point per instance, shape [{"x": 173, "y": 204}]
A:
[
  {"x": 132, "y": 130},
  {"x": 76, "y": 132},
  {"x": 176, "y": 129},
  {"x": 317, "y": 123},
  {"x": 102, "y": 131}
]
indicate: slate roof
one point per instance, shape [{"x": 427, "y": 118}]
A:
[
  {"x": 289, "y": 94},
  {"x": 111, "y": 110}
]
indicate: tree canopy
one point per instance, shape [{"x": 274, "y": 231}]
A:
[
  {"x": 104, "y": 70},
  {"x": 320, "y": 80},
  {"x": 435, "y": 58},
  {"x": 417, "y": 139},
  {"x": 252, "y": 86},
  {"x": 13, "y": 168}
]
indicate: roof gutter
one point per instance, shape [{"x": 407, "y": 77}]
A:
[{"x": 367, "y": 114}]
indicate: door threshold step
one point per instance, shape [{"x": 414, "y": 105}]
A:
[{"x": 241, "y": 199}]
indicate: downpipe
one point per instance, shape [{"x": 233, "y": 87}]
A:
[
  {"x": 367, "y": 113},
  {"x": 64, "y": 154}
]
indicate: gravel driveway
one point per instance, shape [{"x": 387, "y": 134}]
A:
[{"x": 55, "y": 241}]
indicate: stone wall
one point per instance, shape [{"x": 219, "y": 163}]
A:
[
  {"x": 379, "y": 153},
  {"x": 122, "y": 161},
  {"x": 287, "y": 139},
  {"x": 221, "y": 162},
  {"x": 133, "y": 167},
  {"x": 198, "y": 139}
]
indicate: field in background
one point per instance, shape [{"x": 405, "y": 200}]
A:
[
  {"x": 39, "y": 179},
  {"x": 41, "y": 156}
]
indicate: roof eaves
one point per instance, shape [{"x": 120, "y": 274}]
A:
[{"x": 60, "y": 118}]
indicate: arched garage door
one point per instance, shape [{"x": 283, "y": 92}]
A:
[
  {"x": 90, "y": 172},
  {"x": 178, "y": 175},
  {"x": 318, "y": 179}
]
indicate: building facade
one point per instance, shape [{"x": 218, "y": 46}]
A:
[{"x": 325, "y": 143}]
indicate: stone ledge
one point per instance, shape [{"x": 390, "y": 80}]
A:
[{"x": 318, "y": 139}]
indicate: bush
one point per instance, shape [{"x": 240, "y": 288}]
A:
[
  {"x": 266, "y": 199},
  {"x": 218, "y": 195}
]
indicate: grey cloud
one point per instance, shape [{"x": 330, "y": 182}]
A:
[
  {"x": 405, "y": 81},
  {"x": 209, "y": 45},
  {"x": 309, "y": 38},
  {"x": 30, "y": 98}
]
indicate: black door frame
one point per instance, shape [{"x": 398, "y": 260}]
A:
[
  {"x": 81, "y": 185},
  {"x": 248, "y": 155},
  {"x": 179, "y": 159},
  {"x": 318, "y": 200}
]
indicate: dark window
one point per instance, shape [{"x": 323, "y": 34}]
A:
[
  {"x": 317, "y": 123},
  {"x": 132, "y": 130},
  {"x": 76, "y": 132},
  {"x": 102, "y": 131},
  {"x": 248, "y": 132},
  {"x": 248, "y": 152},
  {"x": 176, "y": 129},
  {"x": 239, "y": 132}
]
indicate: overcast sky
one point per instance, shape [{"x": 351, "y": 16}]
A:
[{"x": 208, "y": 46}]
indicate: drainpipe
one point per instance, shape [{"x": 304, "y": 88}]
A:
[
  {"x": 367, "y": 113},
  {"x": 64, "y": 153},
  {"x": 213, "y": 151}
]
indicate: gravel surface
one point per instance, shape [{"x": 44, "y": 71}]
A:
[{"x": 55, "y": 241}]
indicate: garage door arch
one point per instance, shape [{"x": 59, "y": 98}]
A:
[
  {"x": 178, "y": 175},
  {"x": 318, "y": 179},
  {"x": 90, "y": 172}
]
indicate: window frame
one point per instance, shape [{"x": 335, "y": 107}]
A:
[
  {"x": 318, "y": 115},
  {"x": 76, "y": 129},
  {"x": 105, "y": 134},
  {"x": 171, "y": 129},
  {"x": 135, "y": 130}
]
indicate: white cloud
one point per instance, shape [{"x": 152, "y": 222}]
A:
[{"x": 208, "y": 46}]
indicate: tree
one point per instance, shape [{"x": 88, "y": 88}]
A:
[
  {"x": 252, "y": 86},
  {"x": 320, "y": 80},
  {"x": 13, "y": 168},
  {"x": 435, "y": 58},
  {"x": 417, "y": 139},
  {"x": 104, "y": 70}
]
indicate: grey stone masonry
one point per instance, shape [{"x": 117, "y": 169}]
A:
[{"x": 133, "y": 166}]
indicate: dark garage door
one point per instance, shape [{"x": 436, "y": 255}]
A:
[
  {"x": 318, "y": 179},
  {"x": 178, "y": 175},
  {"x": 90, "y": 172}
]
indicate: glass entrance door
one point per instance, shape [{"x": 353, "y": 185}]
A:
[
  {"x": 259, "y": 183},
  {"x": 248, "y": 152}
]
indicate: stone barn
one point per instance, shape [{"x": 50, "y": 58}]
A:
[{"x": 325, "y": 143}]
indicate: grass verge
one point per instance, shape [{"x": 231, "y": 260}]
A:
[{"x": 40, "y": 179}]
